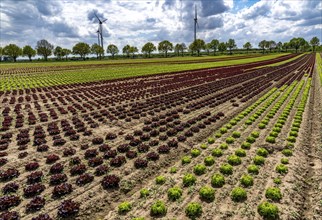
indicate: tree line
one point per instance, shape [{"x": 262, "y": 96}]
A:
[
  {"x": 295, "y": 43},
  {"x": 46, "y": 49}
]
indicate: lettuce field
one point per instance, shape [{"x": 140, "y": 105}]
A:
[{"x": 223, "y": 138}]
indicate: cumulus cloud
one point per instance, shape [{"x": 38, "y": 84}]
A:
[
  {"x": 210, "y": 8},
  {"x": 61, "y": 29},
  {"x": 168, "y": 4},
  {"x": 47, "y": 8},
  {"x": 136, "y": 22},
  {"x": 260, "y": 9},
  {"x": 91, "y": 15}
]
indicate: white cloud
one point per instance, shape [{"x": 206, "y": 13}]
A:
[{"x": 66, "y": 22}]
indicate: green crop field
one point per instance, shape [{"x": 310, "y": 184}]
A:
[
  {"x": 282, "y": 62},
  {"x": 121, "y": 61},
  {"x": 34, "y": 80}
]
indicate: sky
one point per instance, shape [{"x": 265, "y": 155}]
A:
[{"x": 135, "y": 22}]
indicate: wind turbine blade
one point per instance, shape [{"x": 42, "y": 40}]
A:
[
  {"x": 197, "y": 25},
  {"x": 104, "y": 20},
  {"x": 97, "y": 17}
]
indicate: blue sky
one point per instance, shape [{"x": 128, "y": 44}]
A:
[
  {"x": 240, "y": 4},
  {"x": 66, "y": 22}
]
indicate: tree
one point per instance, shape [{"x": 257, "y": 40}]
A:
[
  {"x": 247, "y": 46},
  {"x": 296, "y": 43},
  {"x": 12, "y": 51},
  {"x": 198, "y": 45},
  {"x": 191, "y": 48},
  {"x": 44, "y": 48},
  {"x": 183, "y": 48},
  {"x": 180, "y": 48},
  {"x": 112, "y": 49},
  {"x": 133, "y": 50},
  {"x": 58, "y": 52},
  {"x": 1, "y": 53},
  {"x": 279, "y": 46},
  {"x": 29, "y": 52},
  {"x": 126, "y": 50},
  {"x": 148, "y": 48},
  {"x": 267, "y": 45},
  {"x": 314, "y": 42},
  {"x": 262, "y": 45},
  {"x": 285, "y": 46},
  {"x": 214, "y": 45},
  {"x": 165, "y": 46},
  {"x": 222, "y": 47},
  {"x": 208, "y": 48},
  {"x": 81, "y": 49},
  {"x": 66, "y": 52},
  {"x": 305, "y": 47},
  {"x": 98, "y": 50},
  {"x": 177, "y": 49},
  {"x": 271, "y": 45},
  {"x": 231, "y": 44}
]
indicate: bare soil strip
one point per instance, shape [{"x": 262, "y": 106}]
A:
[{"x": 172, "y": 111}]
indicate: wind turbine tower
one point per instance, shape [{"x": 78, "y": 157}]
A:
[
  {"x": 98, "y": 37},
  {"x": 100, "y": 29},
  {"x": 196, "y": 23}
]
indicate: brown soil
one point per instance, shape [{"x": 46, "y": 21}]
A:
[
  {"x": 227, "y": 209},
  {"x": 98, "y": 203}
]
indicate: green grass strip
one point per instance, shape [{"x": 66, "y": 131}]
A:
[
  {"x": 20, "y": 81},
  {"x": 121, "y": 61}
]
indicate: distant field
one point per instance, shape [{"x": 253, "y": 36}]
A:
[
  {"x": 123, "y": 61},
  {"x": 47, "y": 78},
  {"x": 282, "y": 62}
]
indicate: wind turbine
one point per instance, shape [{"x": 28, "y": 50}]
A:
[
  {"x": 196, "y": 22},
  {"x": 100, "y": 29},
  {"x": 98, "y": 37}
]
